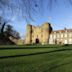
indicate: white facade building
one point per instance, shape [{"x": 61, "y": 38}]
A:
[{"x": 61, "y": 37}]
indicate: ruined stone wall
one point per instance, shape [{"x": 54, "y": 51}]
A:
[
  {"x": 40, "y": 33},
  {"x": 28, "y": 34}
]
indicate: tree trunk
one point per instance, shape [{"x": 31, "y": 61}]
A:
[{"x": 2, "y": 29}]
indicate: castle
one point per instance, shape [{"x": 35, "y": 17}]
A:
[{"x": 45, "y": 35}]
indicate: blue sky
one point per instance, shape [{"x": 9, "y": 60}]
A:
[{"x": 60, "y": 17}]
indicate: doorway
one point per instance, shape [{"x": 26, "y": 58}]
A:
[{"x": 37, "y": 41}]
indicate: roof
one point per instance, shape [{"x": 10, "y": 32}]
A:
[{"x": 62, "y": 31}]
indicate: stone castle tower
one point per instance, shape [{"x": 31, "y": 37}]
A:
[{"x": 38, "y": 34}]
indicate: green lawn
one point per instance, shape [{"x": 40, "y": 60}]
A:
[{"x": 48, "y": 58}]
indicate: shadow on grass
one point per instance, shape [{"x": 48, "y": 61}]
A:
[
  {"x": 10, "y": 47},
  {"x": 33, "y": 47},
  {"x": 38, "y": 53}
]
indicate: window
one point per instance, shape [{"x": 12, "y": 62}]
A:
[
  {"x": 58, "y": 35},
  {"x": 70, "y": 35},
  {"x": 70, "y": 41},
  {"x": 50, "y": 36},
  {"x": 65, "y": 41},
  {"x": 65, "y": 35},
  {"x": 54, "y": 36},
  {"x": 61, "y": 35}
]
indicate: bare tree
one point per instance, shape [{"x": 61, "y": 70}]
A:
[
  {"x": 9, "y": 31},
  {"x": 2, "y": 25}
]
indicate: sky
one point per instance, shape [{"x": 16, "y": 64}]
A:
[{"x": 60, "y": 17}]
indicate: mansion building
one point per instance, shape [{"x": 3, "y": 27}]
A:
[
  {"x": 44, "y": 34},
  {"x": 61, "y": 37}
]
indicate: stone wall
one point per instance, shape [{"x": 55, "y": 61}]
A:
[{"x": 38, "y": 34}]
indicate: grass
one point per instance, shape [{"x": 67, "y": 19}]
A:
[{"x": 48, "y": 58}]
